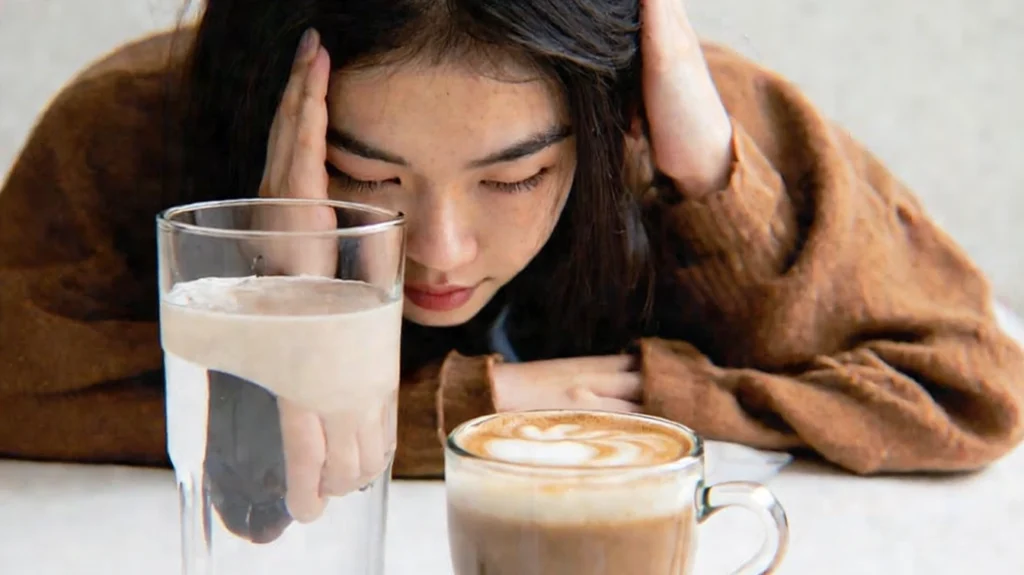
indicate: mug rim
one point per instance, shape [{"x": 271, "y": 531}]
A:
[
  {"x": 687, "y": 459},
  {"x": 390, "y": 219}
]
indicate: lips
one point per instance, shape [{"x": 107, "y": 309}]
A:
[{"x": 438, "y": 298}]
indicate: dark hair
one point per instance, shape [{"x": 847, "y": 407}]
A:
[{"x": 589, "y": 290}]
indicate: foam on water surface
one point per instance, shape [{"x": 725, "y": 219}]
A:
[
  {"x": 275, "y": 296},
  {"x": 328, "y": 345}
]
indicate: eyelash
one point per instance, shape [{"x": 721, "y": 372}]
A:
[
  {"x": 520, "y": 186},
  {"x": 354, "y": 184},
  {"x": 374, "y": 185}
]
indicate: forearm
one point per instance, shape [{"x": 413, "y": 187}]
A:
[
  {"x": 77, "y": 264},
  {"x": 942, "y": 405},
  {"x": 731, "y": 241},
  {"x": 117, "y": 422}
]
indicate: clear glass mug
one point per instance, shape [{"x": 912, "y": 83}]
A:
[
  {"x": 531, "y": 512},
  {"x": 280, "y": 322}
]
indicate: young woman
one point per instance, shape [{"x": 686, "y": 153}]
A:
[{"x": 603, "y": 213}]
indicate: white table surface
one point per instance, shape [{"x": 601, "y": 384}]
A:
[
  {"x": 106, "y": 520},
  {"x": 71, "y": 520}
]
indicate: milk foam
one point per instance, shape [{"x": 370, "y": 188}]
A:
[
  {"x": 569, "y": 444},
  {"x": 327, "y": 345},
  {"x": 572, "y": 439},
  {"x": 579, "y": 468}
]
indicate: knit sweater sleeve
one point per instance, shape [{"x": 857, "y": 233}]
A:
[
  {"x": 434, "y": 400},
  {"x": 80, "y": 363},
  {"x": 832, "y": 314}
]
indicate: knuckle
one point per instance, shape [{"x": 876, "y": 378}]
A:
[
  {"x": 578, "y": 393},
  {"x": 306, "y": 141},
  {"x": 310, "y": 105},
  {"x": 307, "y": 99},
  {"x": 288, "y": 114}
]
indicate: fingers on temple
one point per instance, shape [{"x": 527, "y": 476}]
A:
[
  {"x": 301, "y": 118},
  {"x": 305, "y": 55},
  {"x": 307, "y": 177}
]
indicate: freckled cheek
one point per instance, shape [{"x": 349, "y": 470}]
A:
[{"x": 519, "y": 225}]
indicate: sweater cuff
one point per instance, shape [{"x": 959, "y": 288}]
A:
[
  {"x": 741, "y": 234},
  {"x": 677, "y": 384},
  {"x": 466, "y": 390},
  {"x": 682, "y": 385}
]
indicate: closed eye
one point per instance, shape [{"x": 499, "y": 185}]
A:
[
  {"x": 355, "y": 185},
  {"x": 520, "y": 186}
]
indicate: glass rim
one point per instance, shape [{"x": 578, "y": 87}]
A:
[
  {"x": 683, "y": 461},
  {"x": 393, "y": 219}
]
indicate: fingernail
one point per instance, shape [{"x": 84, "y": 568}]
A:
[{"x": 308, "y": 43}]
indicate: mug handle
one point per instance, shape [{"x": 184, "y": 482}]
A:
[{"x": 757, "y": 498}]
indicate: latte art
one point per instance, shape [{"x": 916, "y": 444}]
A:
[
  {"x": 572, "y": 467},
  {"x": 575, "y": 441}
]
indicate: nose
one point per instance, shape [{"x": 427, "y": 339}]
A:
[{"x": 441, "y": 232}]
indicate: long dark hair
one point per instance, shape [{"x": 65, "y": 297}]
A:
[{"x": 589, "y": 290}]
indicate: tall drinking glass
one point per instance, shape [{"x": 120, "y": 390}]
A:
[{"x": 280, "y": 323}]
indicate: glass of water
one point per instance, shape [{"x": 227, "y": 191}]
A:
[{"x": 280, "y": 323}]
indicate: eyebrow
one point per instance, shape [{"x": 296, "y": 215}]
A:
[{"x": 526, "y": 147}]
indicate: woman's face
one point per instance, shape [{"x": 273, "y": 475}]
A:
[{"x": 481, "y": 164}]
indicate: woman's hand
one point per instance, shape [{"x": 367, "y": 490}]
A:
[
  {"x": 324, "y": 454},
  {"x": 295, "y": 168},
  {"x": 609, "y": 383},
  {"x": 690, "y": 132}
]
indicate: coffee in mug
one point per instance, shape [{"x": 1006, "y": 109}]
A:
[{"x": 567, "y": 492}]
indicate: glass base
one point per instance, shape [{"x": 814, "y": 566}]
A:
[{"x": 348, "y": 539}]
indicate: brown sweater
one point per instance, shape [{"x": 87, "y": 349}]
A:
[{"x": 839, "y": 317}]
